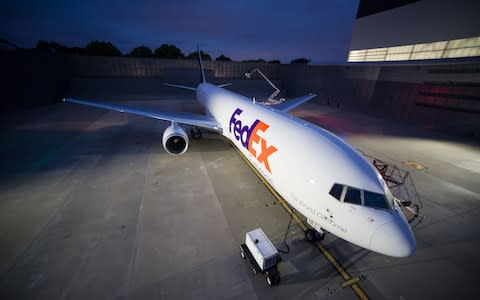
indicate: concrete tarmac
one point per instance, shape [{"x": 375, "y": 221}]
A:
[{"x": 91, "y": 206}]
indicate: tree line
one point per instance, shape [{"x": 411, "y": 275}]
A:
[{"x": 101, "y": 48}]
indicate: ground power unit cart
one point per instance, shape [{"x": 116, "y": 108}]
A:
[{"x": 262, "y": 256}]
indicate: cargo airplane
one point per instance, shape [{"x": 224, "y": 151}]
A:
[{"x": 316, "y": 172}]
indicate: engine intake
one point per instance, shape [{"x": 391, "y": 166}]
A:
[{"x": 175, "y": 140}]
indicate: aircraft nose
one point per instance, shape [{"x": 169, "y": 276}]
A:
[{"x": 393, "y": 239}]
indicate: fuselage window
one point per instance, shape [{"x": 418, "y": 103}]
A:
[
  {"x": 375, "y": 200},
  {"x": 353, "y": 196},
  {"x": 336, "y": 191}
]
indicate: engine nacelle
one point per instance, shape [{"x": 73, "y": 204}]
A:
[{"x": 175, "y": 140}]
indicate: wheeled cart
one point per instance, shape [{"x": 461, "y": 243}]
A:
[{"x": 262, "y": 256}]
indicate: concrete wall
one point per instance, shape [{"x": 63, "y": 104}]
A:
[
  {"x": 444, "y": 97},
  {"x": 84, "y": 66}
]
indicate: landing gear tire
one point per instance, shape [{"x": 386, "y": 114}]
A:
[
  {"x": 313, "y": 235},
  {"x": 195, "y": 133},
  {"x": 269, "y": 280},
  {"x": 273, "y": 277},
  {"x": 320, "y": 235},
  {"x": 310, "y": 235}
]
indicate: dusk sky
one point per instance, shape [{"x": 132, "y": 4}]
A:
[{"x": 251, "y": 29}]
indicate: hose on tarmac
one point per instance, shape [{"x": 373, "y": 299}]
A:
[{"x": 286, "y": 233}]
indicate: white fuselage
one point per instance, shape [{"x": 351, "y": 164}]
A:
[{"x": 302, "y": 162}]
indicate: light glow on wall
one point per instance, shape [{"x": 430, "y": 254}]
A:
[{"x": 445, "y": 49}]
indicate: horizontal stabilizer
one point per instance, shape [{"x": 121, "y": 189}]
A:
[
  {"x": 179, "y": 117},
  {"x": 181, "y": 86},
  {"x": 290, "y": 104}
]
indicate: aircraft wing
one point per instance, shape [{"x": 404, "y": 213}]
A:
[
  {"x": 184, "y": 118},
  {"x": 290, "y": 104}
]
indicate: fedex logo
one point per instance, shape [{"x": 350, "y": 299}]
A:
[{"x": 249, "y": 136}]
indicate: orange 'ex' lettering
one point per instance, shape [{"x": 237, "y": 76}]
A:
[{"x": 266, "y": 151}]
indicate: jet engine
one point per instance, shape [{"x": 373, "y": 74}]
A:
[{"x": 175, "y": 140}]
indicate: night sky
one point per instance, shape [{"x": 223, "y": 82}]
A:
[{"x": 251, "y": 29}]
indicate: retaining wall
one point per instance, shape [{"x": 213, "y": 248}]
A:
[{"x": 443, "y": 97}]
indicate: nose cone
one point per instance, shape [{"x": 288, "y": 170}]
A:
[{"x": 393, "y": 239}]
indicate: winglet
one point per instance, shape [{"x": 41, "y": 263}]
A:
[{"x": 202, "y": 74}]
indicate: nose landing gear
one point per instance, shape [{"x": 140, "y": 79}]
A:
[{"x": 312, "y": 235}]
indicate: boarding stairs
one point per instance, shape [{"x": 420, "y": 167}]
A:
[{"x": 403, "y": 189}]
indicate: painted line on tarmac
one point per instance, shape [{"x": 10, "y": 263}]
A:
[{"x": 336, "y": 265}]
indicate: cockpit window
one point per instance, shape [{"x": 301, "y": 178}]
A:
[
  {"x": 389, "y": 196},
  {"x": 336, "y": 191},
  {"x": 375, "y": 200},
  {"x": 353, "y": 196},
  {"x": 348, "y": 194}
]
